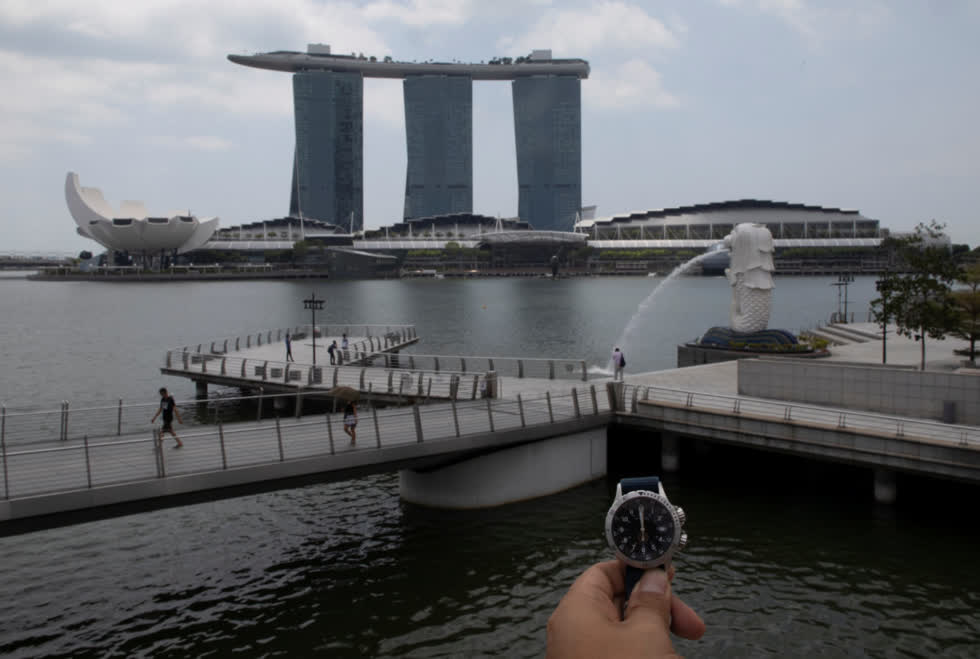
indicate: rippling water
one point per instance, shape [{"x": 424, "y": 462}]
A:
[{"x": 786, "y": 558}]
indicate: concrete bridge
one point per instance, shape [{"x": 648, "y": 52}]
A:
[{"x": 493, "y": 449}]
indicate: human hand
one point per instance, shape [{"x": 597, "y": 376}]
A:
[{"x": 587, "y": 621}]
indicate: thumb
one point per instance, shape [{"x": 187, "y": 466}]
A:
[{"x": 648, "y": 611}]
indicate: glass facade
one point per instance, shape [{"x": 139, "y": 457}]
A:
[
  {"x": 328, "y": 170},
  {"x": 548, "y": 132},
  {"x": 439, "y": 137}
]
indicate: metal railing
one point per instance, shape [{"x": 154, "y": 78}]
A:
[
  {"x": 404, "y": 382},
  {"x": 69, "y": 422},
  {"x": 878, "y": 424},
  {"x": 368, "y": 340},
  {"x": 94, "y": 461},
  {"x": 518, "y": 367}
]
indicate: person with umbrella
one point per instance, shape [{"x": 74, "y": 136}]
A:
[
  {"x": 350, "y": 420},
  {"x": 350, "y": 395}
]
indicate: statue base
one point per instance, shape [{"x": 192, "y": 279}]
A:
[
  {"x": 722, "y": 344},
  {"x": 767, "y": 340}
]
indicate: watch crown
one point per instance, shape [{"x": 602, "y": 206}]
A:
[
  {"x": 681, "y": 515},
  {"x": 682, "y": 542}
]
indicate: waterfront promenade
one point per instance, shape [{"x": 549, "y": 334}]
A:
[{"x": 76, "y": 474}]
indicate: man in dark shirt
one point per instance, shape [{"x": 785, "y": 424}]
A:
[{"x": 168, "y": 407}]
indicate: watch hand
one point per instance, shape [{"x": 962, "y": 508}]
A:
[{"x": 643, "y": 529}]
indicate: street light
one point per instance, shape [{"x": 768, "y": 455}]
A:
[
  {"x": 842, "y": 282},
  {"x": 313, "y": 305},
  {"x": 883, "y": 287}
]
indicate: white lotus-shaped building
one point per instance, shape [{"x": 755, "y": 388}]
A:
[{"x": 132, "y": 228}]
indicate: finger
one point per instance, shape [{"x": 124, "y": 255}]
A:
[
  {"x": 685, "y": 622},
  {"x": 599, "y": 588},
  {"x": 648, "y": 611}
]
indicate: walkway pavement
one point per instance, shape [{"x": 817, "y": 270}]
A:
[{"x": 722, "y": 378}]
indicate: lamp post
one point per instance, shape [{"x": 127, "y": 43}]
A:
[
  {"x": 845, "y": 279},
  {"x": 883, "y": 286},
  {"x": 313, "y": 305},
  {"x": 842, "y": 282}
]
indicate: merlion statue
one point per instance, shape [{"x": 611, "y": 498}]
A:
[{"x": 750, "y": 274}]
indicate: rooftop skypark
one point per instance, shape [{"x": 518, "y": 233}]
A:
[{"x": 319, "y": 58}]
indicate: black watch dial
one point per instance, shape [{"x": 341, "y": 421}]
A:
[{"x": 643, "y": 529}]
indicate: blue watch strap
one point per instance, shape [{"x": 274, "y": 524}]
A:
[{"x": 651, "y": 484}]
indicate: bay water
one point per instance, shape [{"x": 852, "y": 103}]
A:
[{"x": 787, "y": 557}]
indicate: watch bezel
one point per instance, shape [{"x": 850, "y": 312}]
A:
[{"x": 664, "y": 558}]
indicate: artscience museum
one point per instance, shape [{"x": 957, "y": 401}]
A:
[{"x": 132, "y": 228}]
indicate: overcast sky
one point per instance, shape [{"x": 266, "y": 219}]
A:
[{"x": 854, "y": 104}]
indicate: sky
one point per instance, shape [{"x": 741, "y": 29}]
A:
[{"x": 871, "y": 105}]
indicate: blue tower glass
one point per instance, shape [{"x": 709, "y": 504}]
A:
[
  {"x": 548, "y": 132},
  {"x": 328, "y": 169},
  {"x": 439, "y": 140}
]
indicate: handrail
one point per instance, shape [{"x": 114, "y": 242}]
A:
[
  {"x": 382, "y": 380},
  {"x": 519, "y": 367},
  {"x": 375, "y": 331},
  {"x": 801, "y": 414},
  {"x": 89, "y": 462}
]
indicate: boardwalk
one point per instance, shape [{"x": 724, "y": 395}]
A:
[
  {"x": 68, "y": 465},
  {"x": 59, "y": 476},
  {"x": 371, "y": 364}
]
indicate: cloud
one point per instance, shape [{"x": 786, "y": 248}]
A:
[
  {"x": 65, "y": 98},
  {"x": 421, "y": 13},
  {"x": 384, "y": 101},
  {"x": 191, "y": 29},
  {"x": 196, "y": 142},
  {"x": 633, "y": 84},
  {"x": 819, "y": 24},
  {"x": 613, "y": 26}
]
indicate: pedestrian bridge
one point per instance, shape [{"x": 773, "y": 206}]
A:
[
  {"x": 70, "y": 465},
  {"x": 371, "y": 363}
]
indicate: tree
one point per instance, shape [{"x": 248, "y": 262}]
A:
[
  {"x": 916, "y": 295},
  {"x": 967, "y": 301},
  {"x": 85, "y": 255}
]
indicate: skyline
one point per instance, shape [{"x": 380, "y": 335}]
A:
[{"x": 868, "y": 108}]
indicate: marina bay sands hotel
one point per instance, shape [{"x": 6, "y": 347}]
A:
[{"x": 328, "y": 100}]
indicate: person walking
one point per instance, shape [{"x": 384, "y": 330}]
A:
[
  {"x": 168, "y": 407},
  {"x": 343, "y": 347},
  {"x": 333, "y": 350},
  {"x": 619, "y": 362},
  {"x": 289, "y": 348},
  {"x": 350, "y": 421}
]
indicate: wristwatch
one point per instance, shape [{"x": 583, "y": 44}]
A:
[{"x": 643, "y": 528}]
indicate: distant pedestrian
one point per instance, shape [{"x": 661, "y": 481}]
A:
[
  {"x": 350, "y": 421},
  {"x": 168, "y": 407},
  {"x": 333, "y": 350},
  {"x": 619, "y": 363},
  {"x": 289, "y": 348},
  {"x": 343, "y": 347}
]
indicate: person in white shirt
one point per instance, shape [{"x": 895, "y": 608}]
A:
[{"x": 619, "y": 362}]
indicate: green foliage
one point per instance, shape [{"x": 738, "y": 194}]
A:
[
  {"x": 918, "y": 298},
  {"x": 645, "y": 254},
  {"x": 823, "y": 252},
  {"x": 818, "y": 343},
  {"x": 967, "y": 304},
  {"x": 300, "y": 249}
]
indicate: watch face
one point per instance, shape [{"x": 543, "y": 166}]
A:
[{"x": 643, "y": 529}]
